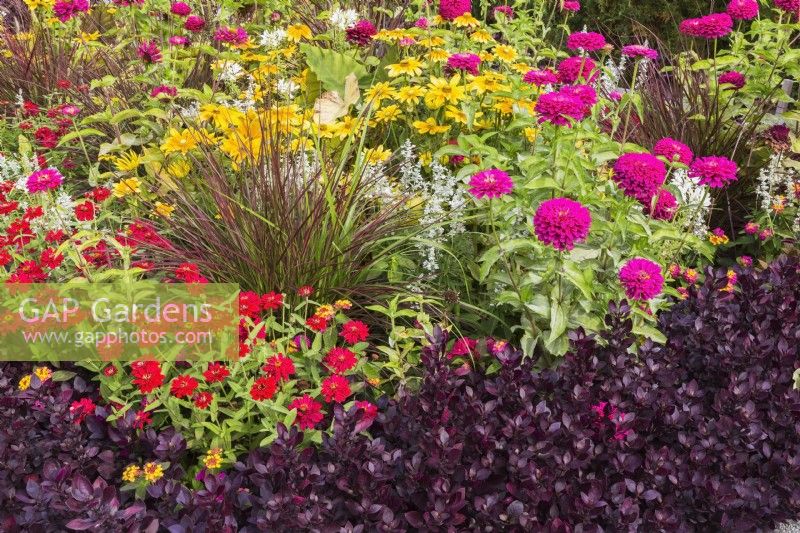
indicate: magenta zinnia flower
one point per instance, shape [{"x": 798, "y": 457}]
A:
[
  {"x": 491, "y": 183},
  {"x": 178, "y": 40},
  {"x": 571, "y": 5},
  {"x": 66, "y": 9},
  {"x": 665, "y": 206},
  {"x": 559, "y": 107},
  {"x": 637, "y": 50},
  {"x": 584, "y": 93},
  {"x": 149, "y": 52},
  {"x": 641, "y": 279},
  {"x": 639, "y": 175},
  {"x": 181, "y": 9},
  {"x": 733, "y": 78},
  {"x": 714, "y": 171},
  {"x": 540, "y": 77},
  {"x": 561, "y": 222},
  {"x": 452, "y": 9},
  {"x": 360, "y": 33},
  {"x": 711, "y": 26},
  {"x": 194, "y": 23},
  {"x": 790, "y": 6},
  {"x": 508, "y": 11},
  {"x": 233, "y": 36},
  {"x": 673, "y": 150},
  {"x": 44, "y": 180},
  {"x": 573, "y": 68},
  {"x": 742, "y": 9},
  {"x": 586, "y": 40},
  {"x": 466, "y": 62}
]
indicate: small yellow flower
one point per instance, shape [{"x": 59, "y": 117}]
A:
[
  {"x": 298, "y": 32},
  {"x": 325, "y": 311},
  {"x": 126, "y": 187},
  {"x": 378, "y": 93},
  {"x": 442, "y": 91},
  {"x": 438, "y": 55},
  {"x": 153, "y": 472},
  {"x": 779, "y": 205},
  {"x": 429, "y": 127},
  {"x": 432, "y": 42},
  {"x": 213, "y": 459},
  {"x": 43, "y": 373},
  {"x": 531, "y": 134},
  {"x": 408, "y": 66},
  {"x": 425, "y": 159},
  {"x": 455, "y": 114},
  {"x": 377, "y": 155},
  {"x": 179, "y": 141},
  {"x": 374, "y": 381},
  {"x": 410, "y": 94},
  {"x": 84, "y": 37},
  {"x": 127, "y": 161},
  {"x": 130, "y": 473},
  {"x": 390, "y": 113},
  {"x": 33, "y": 4},
  {"x": 164, "y": 210},
  {"x": 343, "y": 304},
  {"x": 505, "y": 53},
  {"x": 179, "y": 168},
  {"x": 481, "y": 36},
  {"x": 24, "y": 382},
  {"x": 466, "y": 21}
]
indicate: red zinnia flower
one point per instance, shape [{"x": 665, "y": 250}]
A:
[
  {"x": 216, "y": 372},
  {"x": 203, "y": 400},
  {"x": 354, "y": 331},
  {"x": 309, "y": 411},
  {"x": 279, "y": 367},
  {"x": 50, "y": 258},
  {"x": 271, "y": 301},
  {"x": 183, "y": 386},
  {"x": 264, "y": 388},
  {"x": 85, "y": 211},
  {"x": 305, "y": 291},
  {"x": 141, "y": 419},
  {"x": 147, "y": 375},
  {"x": 340, "y": 360},
  {"x": 317, "y": 323},
  {"x": 335, "y": 388},
  {"x": 81, "y": 409},
  {"x": 249, "y": 304}
]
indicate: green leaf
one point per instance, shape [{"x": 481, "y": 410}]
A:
[
  {"x": 650, "y": 332},
  {"x": 87, "y": 132},
  {"x": 332, "y": 67},
  {"x": 558, "y": 320},
  {"x": 62, "y": 375}
]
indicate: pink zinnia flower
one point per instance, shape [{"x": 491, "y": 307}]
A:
[
  {"x": 194, "y": 23},
  {"x": 66, "y": 9},
  {"x": 673, "y": 150},
  {"x": 172, "y": 92},
  {"x": 637, "y": 50},
  {"x": 586, "y": 40},
  {"x": 665, "y": 206},
  {"x": 44, "y": 180},
  {"x": 639, "y": 175},
  {"x": 561, "y": 222},
  {"x": 574, "y": 68},
  {"x": 181, "y": 9},
  {"x": 149, "y": 52},
  {"x": 790, "y": 6},
  {"x": 641, "y": 279},
  {"x": 711, "y": 26},
  {"x": 733, "y": 78},
  {"x": 491, "y": 183},
  {"x": 465, "y": 61},
  {"x": 360, "y": 33},
  {"x": 571, "y": 5},
  {"x": 540, "y": 77},
  {"x": 751, "y": 228},
  {"x": 309, "y": 411},
  {"x": 421, "y": 23},
  {"x": 178, "y": 40},
  {"x": 713, "y": 171},
  {"x": 584, "y": 93},
  {"x": 559, "y": 107},
  {"x": 233, "y": 36},
  {"x": 508, "y": 11},
  {"x": 463, "y": 347},
  {"x": 742, "y": 9},
  {"x": 452, "y": 9}
]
